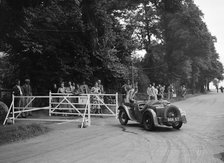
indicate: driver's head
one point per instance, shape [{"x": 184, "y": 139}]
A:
[
  {"x": 152, "y": 98},
  {"x": 159, "y": 97}
]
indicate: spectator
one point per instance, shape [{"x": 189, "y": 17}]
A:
[
  {"x": 77, "y": 90},
  {"x": 17, "y": 91},
  {"x": 96, "y": 90},
  {"x": 221, "y": 88},
  {"x": 183, "y": 91},
  {"x": 27, "y": 91},
  {"x": 154, "y": 85},
  {"x": 84, "y": 89},
  {"x": 125, "y": 88},
  {"x": 54, "y": 100},
  {"x": 150, "y": 93},
  {"x": 170, "y": 91},
  {"x": 61, "y": 89},
  {"x": 159, "y": 89},
  {"x": 136, "y": 87},
  {"x": 101, "y": 86},
  {"x": 155, "y": 91},
  {"x": 54, "y": 89},
  {"x": 73, "y": 84},
  {"x": 162, "y": 90},
  {"x": 70, "y": 88}
]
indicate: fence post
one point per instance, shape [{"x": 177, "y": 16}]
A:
[
  {"x": 116, "y": 109},
  {"x": 13, "y": 107},
  {"x": 50, "y": 103},
  {"x": 89, "y": 116}
]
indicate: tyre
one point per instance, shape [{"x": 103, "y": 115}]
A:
[
  {"x": 3, "y": 111},
  {"x": 177, "y": 125},
  {"x": 123, "y": 117},
  {"x": 172, "y": 111},
  {"x": 148, "y": 122}
]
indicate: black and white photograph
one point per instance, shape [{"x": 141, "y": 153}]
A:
[{"x": 111, "y": 81}]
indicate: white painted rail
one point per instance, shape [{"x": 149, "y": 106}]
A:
[{"x": 84, "y": 106}]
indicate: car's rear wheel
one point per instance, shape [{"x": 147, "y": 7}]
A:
[
  {"x": 123, "y": 117},
  {"x": 148, "y": 122},
  {"x": 177, "y": 125}
]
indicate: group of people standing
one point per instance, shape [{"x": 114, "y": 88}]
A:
[
  {"x": 154, "y": 92},
  {"x": 71, "y": 88},
  {"x": 77, "y": 89},
  {"x": 23, "y": 91}
]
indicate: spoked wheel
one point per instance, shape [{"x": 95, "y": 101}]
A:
[
  {"x": 123, "y": 117},
  {"x": 148, "y": 122},
  {"x": 177, "y": 125}
]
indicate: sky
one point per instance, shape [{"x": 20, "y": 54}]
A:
[{"x": 214, "y": 18}]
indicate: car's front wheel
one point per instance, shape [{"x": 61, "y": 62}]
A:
[
  {"x": 148, "y": 122},
  {"x": 177, "y": 125},
  {"x": 123, "y": 117}
]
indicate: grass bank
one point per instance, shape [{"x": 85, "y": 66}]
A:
[{"x": 13, "y": 133}]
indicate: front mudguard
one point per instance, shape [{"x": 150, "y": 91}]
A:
[
  {"x": 127, "y": 110},
  {"x": 154, "y": 116}
]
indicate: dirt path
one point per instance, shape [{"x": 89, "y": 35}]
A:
[{"x": 200, "y": 140}]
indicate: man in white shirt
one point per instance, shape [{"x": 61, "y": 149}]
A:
[
  {"x": 84, "y": 89},
  {"x": 17, "y": 91},
  {"x": 150, "y": 92}
]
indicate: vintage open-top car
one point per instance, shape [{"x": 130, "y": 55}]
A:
[{"x": 152, "y": 114}]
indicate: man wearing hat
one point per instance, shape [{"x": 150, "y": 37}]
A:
[{"x": 27, "y": 91}]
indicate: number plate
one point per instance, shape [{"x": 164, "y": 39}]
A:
[{"x": 173, "y": 119}]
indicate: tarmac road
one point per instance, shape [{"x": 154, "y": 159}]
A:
[{"x": 201, "y": 140}]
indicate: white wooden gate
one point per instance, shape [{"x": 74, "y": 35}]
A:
[
  {"x": 68, "y": 104},
  {"x": 84, "y": 105}
]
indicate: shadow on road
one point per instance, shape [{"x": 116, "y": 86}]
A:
[
  {"x": 139, "y": 127},
  {"x": 220, "y": 156}
]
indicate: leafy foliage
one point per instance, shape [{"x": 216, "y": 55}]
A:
[{"x": 51, "y": 40}]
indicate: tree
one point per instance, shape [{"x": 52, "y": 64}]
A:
[
  {"x": 78, "y": 40},
  {"x": 65, "y": 40}
]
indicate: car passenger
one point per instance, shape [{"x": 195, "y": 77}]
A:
[
  {"x": 125, "y": 89},
  {"x": 130, "y": 100}
]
